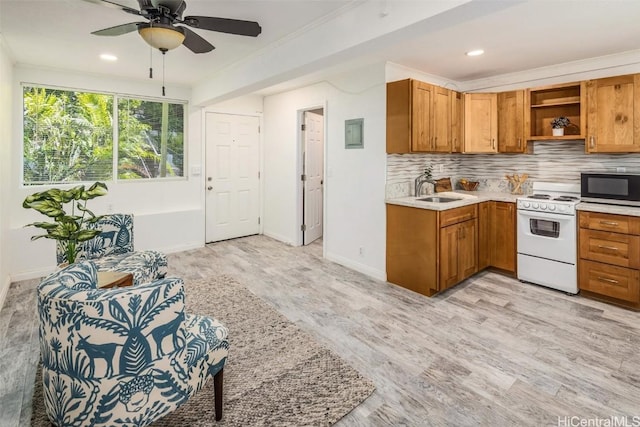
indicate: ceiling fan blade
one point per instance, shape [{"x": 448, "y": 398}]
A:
[
  {"x": 224, "y": 25},
  {"x": 194, "y": 42},
  {"x": 114, "y": 5},
  {"x": 118, "y": 30}
]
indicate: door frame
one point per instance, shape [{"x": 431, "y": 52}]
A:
[
  {"x": 300, "y": 170},
  {"x": 202, "y": 168}
]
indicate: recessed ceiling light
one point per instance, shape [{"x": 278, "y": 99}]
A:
[
  {"x": 108, "y": 57},
  {"x": 476, "y": 52}
]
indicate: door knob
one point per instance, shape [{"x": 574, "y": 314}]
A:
[{"x": 209, "y": 188}]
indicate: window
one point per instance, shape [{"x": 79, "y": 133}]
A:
[
  {"x": 150, "y": 139},
  {"x": 69, "y": 137}
]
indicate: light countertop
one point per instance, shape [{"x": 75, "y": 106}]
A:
[
  {"x": 611, "y": 209},
  {"x": 467, "y": 198}
]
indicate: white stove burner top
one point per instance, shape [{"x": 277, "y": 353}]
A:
[{"x": 551, "y": 197}]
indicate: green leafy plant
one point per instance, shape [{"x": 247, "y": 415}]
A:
[
  {"x": 69, "y": 228},
  {"x": 560, "y": 122}
]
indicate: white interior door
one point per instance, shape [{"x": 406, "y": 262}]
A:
[
  {"x": 232, "y": 176},
  {"x": 313, "y": 170}
]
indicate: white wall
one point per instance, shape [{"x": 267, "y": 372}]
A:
[
  {"x": 6, "y": 71},
  {"x": 169, "y": 215},
  {"x": 354, "y": 179}
]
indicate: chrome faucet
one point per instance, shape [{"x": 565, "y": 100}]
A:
[{"x": 420, "y": 181}]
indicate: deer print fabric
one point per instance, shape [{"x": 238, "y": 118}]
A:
[
  {"x": 113, "y": 250},
  {"x": 123, "y": 356}
]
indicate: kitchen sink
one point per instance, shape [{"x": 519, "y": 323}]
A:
[{"x": 436, "y": 199}]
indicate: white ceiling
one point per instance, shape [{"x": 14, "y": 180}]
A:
[{"x": 516, "y": 35}]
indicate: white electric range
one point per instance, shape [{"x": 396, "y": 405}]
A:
[{"x": 547, "y": 243}]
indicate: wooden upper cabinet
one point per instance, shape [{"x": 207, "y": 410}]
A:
[
  {"x": 480, "y": 122},
  {"x": 399, "y": 116},
  {"x": 421, "y": 138},
  {"x": 511, "y": 138},
  {"x": 613, "y": 121},
  {"x": 419, "y": 117},
  {"x": 457, "y": 124},
  {"x": 441, "y": 120},
  {"x": 543, "y": 104}
]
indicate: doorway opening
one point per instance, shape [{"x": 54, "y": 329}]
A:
[{"x": 312, "y": 146}]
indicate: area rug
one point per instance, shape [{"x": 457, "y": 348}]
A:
[{"x": 276, "y": 374}]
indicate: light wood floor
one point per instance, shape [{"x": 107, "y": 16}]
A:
[{"x": 491, "y": 351}]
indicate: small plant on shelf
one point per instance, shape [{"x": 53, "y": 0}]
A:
[{"x": 560, "y": 122}]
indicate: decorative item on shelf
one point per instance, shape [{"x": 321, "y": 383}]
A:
[
  {"x": 558, "y": 124},
  {"x": 443, "y": 184},
  {"x": 468, "y": 185},
  {"x": 516, "y": 182},
  {"x": 68, "y": 228}
]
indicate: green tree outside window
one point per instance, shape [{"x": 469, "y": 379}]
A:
[{"x": 68, "y": 137}]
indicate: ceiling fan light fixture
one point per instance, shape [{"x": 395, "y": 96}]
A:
[{"x": 161, "y": 37}]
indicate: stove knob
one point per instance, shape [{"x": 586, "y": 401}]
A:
[
  {"x": 543, "y": 206},
  {"x": 535, "y": 206},
  {"x": 562, "y": 208},
  {"x": 552, "y": 207},
  {"x": 526, "y": 204}
]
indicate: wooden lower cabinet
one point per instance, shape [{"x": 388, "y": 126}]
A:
[
  {"x": 609, "y": 261},
  {"x": 412, "y": 248},
  {"x": 503, "y": 236},
  {"x": 430, "y": 251},
  {"x": 497, "y": 236},
  {"x": 458, "y": 253}
]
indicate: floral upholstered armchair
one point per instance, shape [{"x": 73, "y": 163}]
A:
[
  {"x": 124, "y": 356},
  {"x": 113, "y": 250}
]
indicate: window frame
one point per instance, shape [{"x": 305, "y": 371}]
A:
[{"x": 115, "y": 135}]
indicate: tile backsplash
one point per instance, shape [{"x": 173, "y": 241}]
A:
[{"x": 551, "y": 161}]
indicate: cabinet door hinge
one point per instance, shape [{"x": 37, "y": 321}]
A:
[
  {"x": 303, "y": 127},
  {"x": 258, "y": 220},
  {"x": 303, "y": 177},
  {"x": 303, "y": 227}
]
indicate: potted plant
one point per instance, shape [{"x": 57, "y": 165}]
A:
[
  {"x": 558, "y": 124},
  {"x": 68, "y": 228}
]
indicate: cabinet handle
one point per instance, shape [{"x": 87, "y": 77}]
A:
[
  {"x": 432, "y": 142},
  {"x": 519, "y": 142},
  {"x": 611, "y": 248},
  {"x": 493, "y": 143},
  {"x": 604, "y": 279},
  {"x": 612, "y": 223},
  {"x": 592, "y": 141}
]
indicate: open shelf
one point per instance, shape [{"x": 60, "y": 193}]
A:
[{"x": 549, "y": 102}]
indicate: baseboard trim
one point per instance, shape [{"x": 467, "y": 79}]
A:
[
  {"x": 33, "y": 274},
  {"x": 280, "y": 238},
  {"x": 181, "y": 248},
  {"x": 4, "y": 290},
  {"x": 364, "y": 269}
]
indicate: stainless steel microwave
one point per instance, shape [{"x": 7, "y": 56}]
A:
[{"x": 611, "y": 188}]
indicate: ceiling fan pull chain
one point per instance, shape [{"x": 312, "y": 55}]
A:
[
  {"x": 150, "y": 62},
  {"x": 163, "y": 55}
]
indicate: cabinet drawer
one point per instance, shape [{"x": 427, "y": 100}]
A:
[
  {"x": 608, "y": 222},
  {"x": 454, "y": 216},
  {"x": 611, "y": 248},
  {"x": 615, "y": 282}
]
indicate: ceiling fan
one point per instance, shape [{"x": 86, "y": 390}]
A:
[{"x": 161, "y": 32}]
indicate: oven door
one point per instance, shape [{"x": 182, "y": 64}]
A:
[{"x": 547, "y": 235}]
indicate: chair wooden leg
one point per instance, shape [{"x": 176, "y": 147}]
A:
[{"x": 217, "y": 396}]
